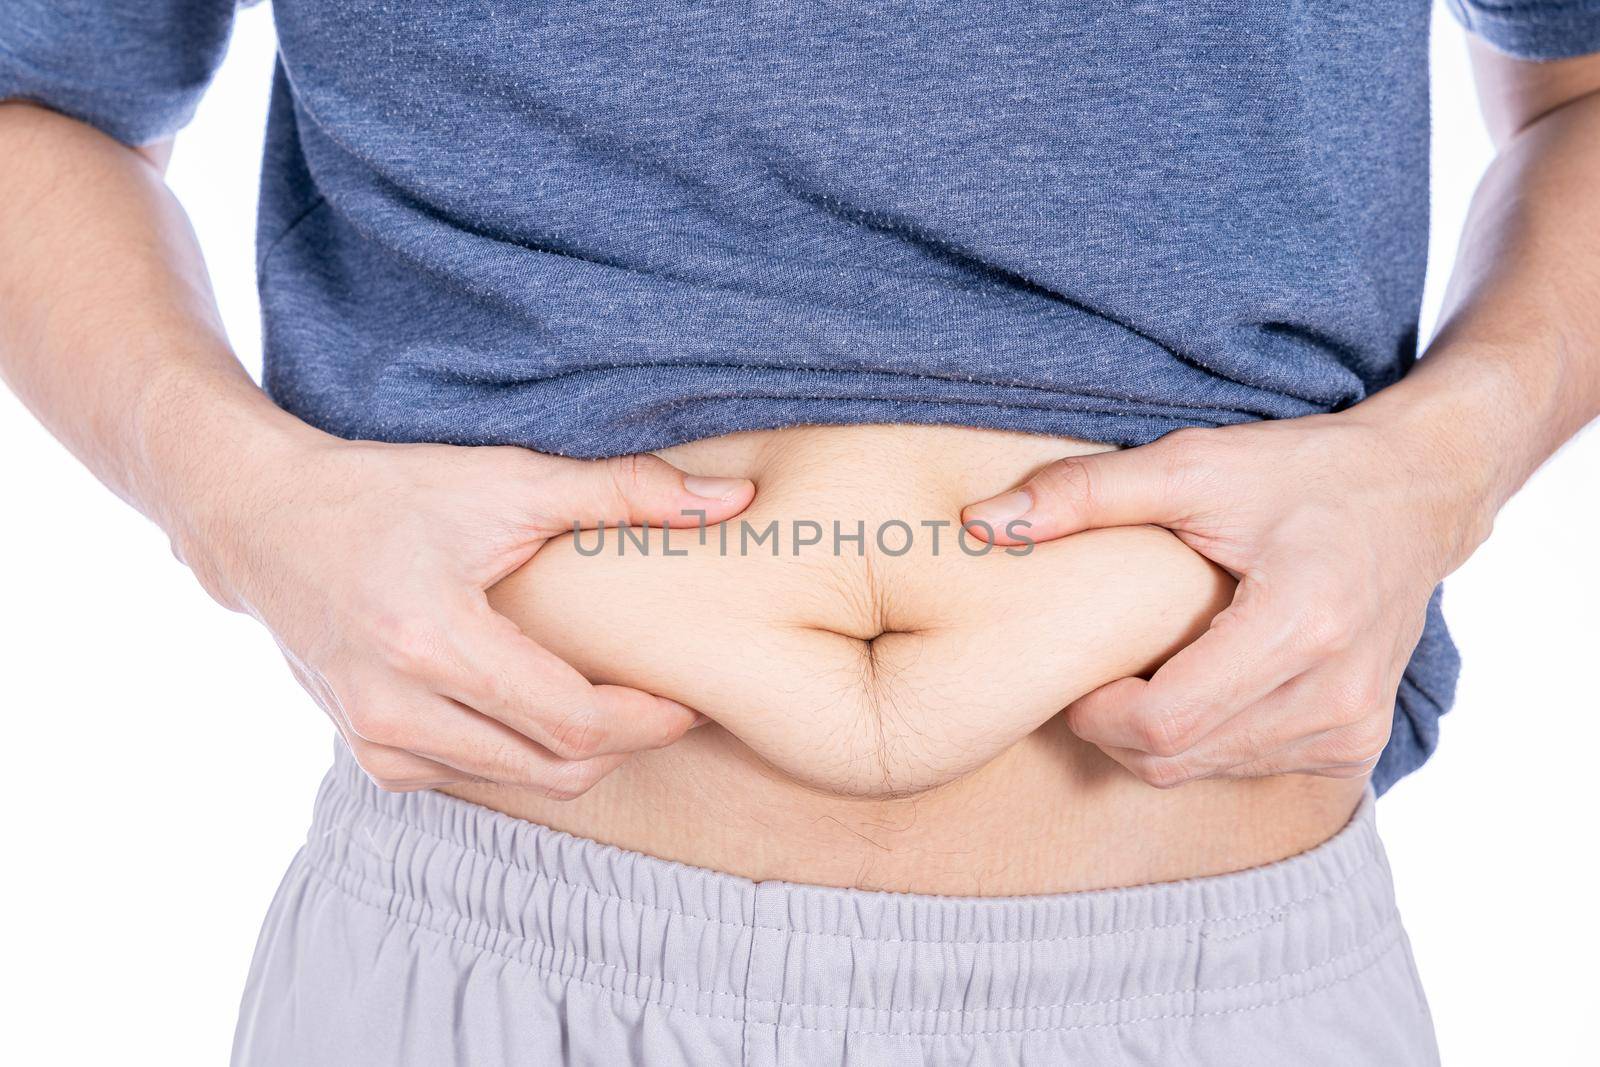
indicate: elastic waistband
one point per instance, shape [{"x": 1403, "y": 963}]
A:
[{"x": 816, "y": 957}]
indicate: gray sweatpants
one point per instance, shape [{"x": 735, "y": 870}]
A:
[{"x": 419, "y": 929}]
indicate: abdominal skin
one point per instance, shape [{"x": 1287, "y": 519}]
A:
[
  {"x": 889, "y": 722},
  {"x": 861, "y": 673}
]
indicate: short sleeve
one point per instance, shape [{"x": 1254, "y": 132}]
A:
[
  {"x": 1533, "y": 29},
  {"x": 136, "y": 69}
]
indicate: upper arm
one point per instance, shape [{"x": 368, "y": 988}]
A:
[{"x": 1530, "y": 57}]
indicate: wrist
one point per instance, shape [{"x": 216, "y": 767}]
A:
[
  {"x": 207, "y": 449},
  {"x": 1462, "y": 443}
]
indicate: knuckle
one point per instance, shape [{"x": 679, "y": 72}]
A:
[
  {"x": 572, "y": 779},
  {"x": 508, "y": 766},
  {"x": 1356, "y": 701},
  {"x": 407, "y": 645},
  {"x": 1164, "y": 773},
  {"x": 1168, "y": 733},
  {"x": 630, "y": 474},
  {"x": 1358, "y": 744},
  {"x": 485, "y": 690},
  {"x": 375, "y": 721},
  {"x": 1325, "y": 631},
  {"x": 1231, "y": 619},
  {"x": 1067, "y": 485},
  {"x": 391, "y": 771},
  {"x": 1189, "y": 459},
  {"x": 578, "y": 734}
]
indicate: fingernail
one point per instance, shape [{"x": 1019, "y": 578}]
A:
[
  {"x": 999, "y": 510},
  {"x": 722, "y": 489}
]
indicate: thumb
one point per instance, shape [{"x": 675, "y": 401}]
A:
[
  {"x": 636, "y": 490},
  {"x": 1122, "y": 488}
]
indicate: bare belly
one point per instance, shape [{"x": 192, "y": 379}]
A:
[{"x": 884, "y": 692}]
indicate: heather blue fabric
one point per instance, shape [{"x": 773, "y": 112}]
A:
[
  {"x": 603, "y": 227},
  {"x": 1534, "y": 29}
]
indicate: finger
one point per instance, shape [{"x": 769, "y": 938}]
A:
[
  {"x": 469, "y": 747},
  {"x": 486, "y": 663},
  {"x": 635, "y": 490},
  {"x": 1302, "y": 763},
  {"x": 1316, "y": 718},
  {"x": 1170, "y": 773},
  {"x": 1336, "y": 716},
  {"x": 1249, "y": 650},
  {"x": 399, "y": 771},
  {"x": 1153, "y": 483},
  {"x": 392, "y": 769},
  {"x": 1349, "y": 751}
]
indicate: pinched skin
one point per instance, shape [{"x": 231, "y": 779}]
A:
[
  {"x": 884, "y": 715},
  {"x": 883, "y": 664}
]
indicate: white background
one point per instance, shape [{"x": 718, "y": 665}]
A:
[{"x": 159, "y": 763}]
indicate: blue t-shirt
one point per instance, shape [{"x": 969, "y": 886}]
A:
[{"x": 604, "y": 227}]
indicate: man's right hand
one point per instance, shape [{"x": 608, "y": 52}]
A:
[{"x": 369, "y": 564}]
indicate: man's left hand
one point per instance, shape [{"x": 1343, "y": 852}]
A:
[{"x": 1337, "y": 527}]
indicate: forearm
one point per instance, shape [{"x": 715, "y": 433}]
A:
[
  {"x": 1514, "y": 370},
  {"x": 108, "y": 329}
]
